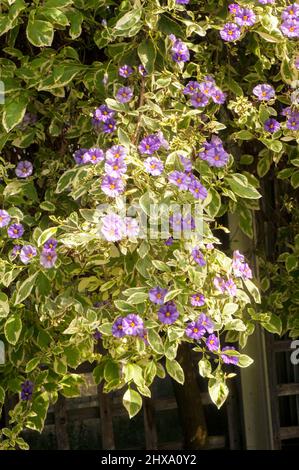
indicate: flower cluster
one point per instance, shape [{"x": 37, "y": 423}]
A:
[
  {"x": 214, "y": 153},
  {"x": 201, "y": 93},
  {"x": 228, "y": 287},
  {"x": 180, "y": 52},
  {"x": 131, "y": 325},
  {"x": 115, "y": 228},
  {"x": 240, "y": 268},
  {"x": 243, "y": 17},
  {"x": 115, "y": 167},
  {"x": 292, "y": 115},
  {"x": 84, "y": 156},
  {"x": 27, "y": 388},
  {"x": 290, "y": 21},
  {"x": 48, "y": 255},
  {"x": 103, "y": 119}
]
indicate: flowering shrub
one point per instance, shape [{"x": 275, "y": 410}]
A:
[{"x": 147, "y": 105}]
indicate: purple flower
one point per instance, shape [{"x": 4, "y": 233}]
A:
[
  {"x": 296, "y": 63},
  {"x": 198, "y": 190},
  {"x": 199, "y": 100},
  {"x": 219, "y": 283},
  {"x": 188, "y": 222},
  {"x": 234, "y": 8},
  {"x": 157, "y": 295},
  {"x": 15, "y": 231},
  {"x": 206, "y": 87},
  {"x": 198, "y": 257},
  {"x": 180, "y": 52},
  {"x": 240, "y": 268},
  {"x": 27, "y": 388},
  {"x": 230, "y": 287},
  {"x": 218, "y": 96},
  {"x": 27, "y": 253},
  {"x": 4, "y": 218},
  {"x": 116, "y": 151},
  {"x": 154, "y": 166},
  {"x": 271, "y": 125},
  {"x": 290, "y": 28},
  {"x": 79, "y": 156},
  {"x": 97, "y": 335},
  {"x": 229, "y": 359},
  {"x": 186, "y": 162},
  {"x": 142, "y": 70},
  {"x": 102, "y": 114},
  {"x": 212, "y": 343},
  {"x": 191, "y": 88},
  {"x": 149, "y": 144},
  {"x": 125, "y": 71},
  {"x": 132, "y": 227},
  {"x": 124, "y": 94},
  {"x": 168, "y": 313},
  {"x": 238, "y": 257},
  {"x": 194, "y": 330},
  {"x": 182, "y": 2},
  {"x": 118, "y": 329},
  {"x": 176, "y": 221},
  {"x": 214, "y": 152},
  {"x": 163, "y": 141},
  {"x": 265, "y": 2},
  {"x": 230, "y": 32},
  {"x": 16, "y": 251},
  {"x": 179, "y": 179},
  {"x": 132, "y": 325},
  {"x": 116, "y": 167},
  {"x": 109, "y": 126},
  {"x": 113, "y": 227},
  {"x": 217, "y": 157},
  {"x": 292, "y": 122},
  {"x": 169, "y": 241},
  {"x": 93, "y": 155},
  {"x": 291, "y": 12},
  {"x": 50, "y": 244},
  {"x": 206, "y": 323},
  {"x": 48, "y": 258},
  {"x": 245, "y": 17},
  {"x": 113, "y": 187},
  {"x": 264, "y": 92},
  {"x": 197, "y": 300},
  {"x": 24, "y": 169}
]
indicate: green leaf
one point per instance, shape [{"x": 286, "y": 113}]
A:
[
  {"x": 13, "y": 328},
  {"x": 244, "y": 135},
  {"x": 214, "y": 206},
  {"x": 138, "y": 298},
  {"x": 218, "y": 391},
  {"x": 155, "y": 341},
  {"x": 244, "y": 360},
  {"x": 291, "y": 263},
  {"x": 76, "y": 19},
  {"x": 253, "y": 290},
  {"x": 128, "y": 21},
  {"x": 147, "y": 54},
  {"x": 65, "y": 180},
  {"x": 39, "y": 33},
  {"x": 241, "y": 186},
  {"x": 172, "y": 294},
  {"x": 295, "y": 179},
  {"x": 111, "y": 371},
  {"x": 25, "y": 288},
  {"x": 4, "y": 305},
  {"x": 132, "y": 402},
  {"x": 204, "y": 367},
  {"x": 161, "y": 266},
  {"x": 46, "y": 234},
  {"x": 32, "y": 364},
  {"x": 14, "y": 111},
  {"x": 274, "y": 325},
  {"x": 2, "y": 394},
  {"x": 54, "y": 15},
  {"x": 60, "y": 365},
  {"x": 175, "y": 371}
]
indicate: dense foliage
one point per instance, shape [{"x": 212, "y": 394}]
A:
[{"x": 150, "y": 105}]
